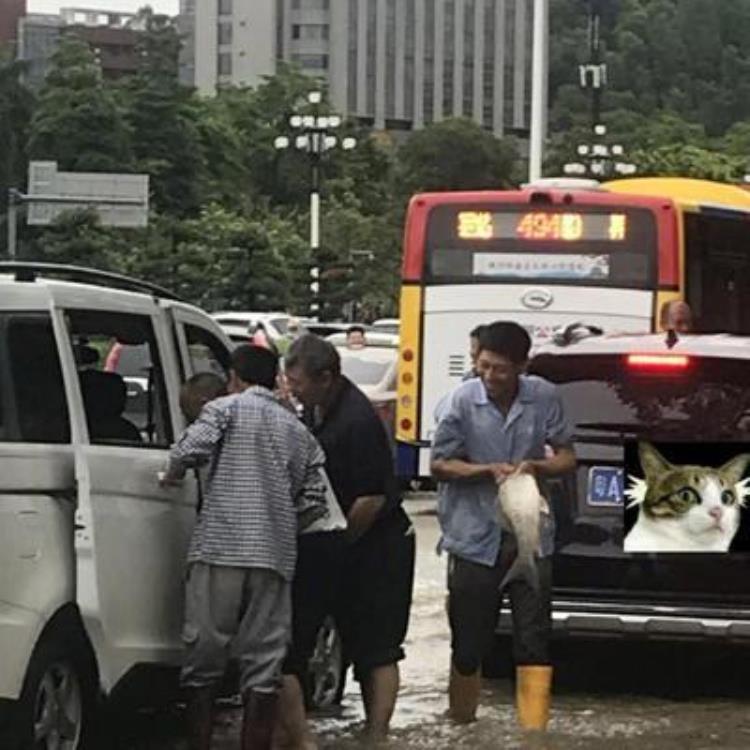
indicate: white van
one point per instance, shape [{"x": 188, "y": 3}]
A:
[{"x": 92, "y": 549}]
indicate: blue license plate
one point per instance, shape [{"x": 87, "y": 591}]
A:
[{"x": 606, "y": 486}]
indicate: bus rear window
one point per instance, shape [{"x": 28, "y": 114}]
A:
[
  {"x": 600, "y": 246},
  {"x": 602, "y": 397}
]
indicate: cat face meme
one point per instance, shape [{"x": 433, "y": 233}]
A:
[{"x": 686, "y": 508}]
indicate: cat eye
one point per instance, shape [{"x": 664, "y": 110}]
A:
[
  {"x": 688, "y": 495},
  {"x": 727, "y": 497}
]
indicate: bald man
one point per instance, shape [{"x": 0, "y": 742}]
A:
[{"x": 677, "y": 316}]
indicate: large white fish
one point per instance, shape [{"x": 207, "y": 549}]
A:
[{"x": 520, "y": 505}]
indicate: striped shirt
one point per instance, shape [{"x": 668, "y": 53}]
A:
[{"x": 264, "y": 473}]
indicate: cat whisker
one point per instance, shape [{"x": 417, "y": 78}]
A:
[
  {"x": 742, "y": 490},
  {"x": 637, "y": 492}
]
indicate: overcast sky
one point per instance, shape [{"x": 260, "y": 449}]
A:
[{"x": 53, "y": 6}]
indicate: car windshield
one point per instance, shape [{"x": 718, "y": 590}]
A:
[
  {"x": 363, "y": 370},
  {"x": 281, "y": 325},
  {"x": 602, "y": 397}
]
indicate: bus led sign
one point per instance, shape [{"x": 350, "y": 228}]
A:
[{"x": 541, "y": 226}]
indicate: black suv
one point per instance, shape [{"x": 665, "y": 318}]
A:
[{"x": 618, "y": 390}]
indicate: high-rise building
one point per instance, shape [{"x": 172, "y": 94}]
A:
[
  {"x": 112, "y": 35},
  {"x": 10, "y": 12},
  {"x": 393, "y": 63}
]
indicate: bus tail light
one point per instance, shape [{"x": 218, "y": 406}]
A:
[
  {"x": 407, "y": 355},
  {"x": 658, "y": 362}
]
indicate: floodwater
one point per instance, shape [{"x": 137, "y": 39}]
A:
[{"x": 607, "y": 694}]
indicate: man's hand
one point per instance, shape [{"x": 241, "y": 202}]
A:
[
  {"x": 168, "y": 479},
  {"x": 501, "y": 471},
  {"x": 362, "y": 515},
  {"x": 527, "y": 467}
]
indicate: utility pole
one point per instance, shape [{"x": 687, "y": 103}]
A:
[
  {"x": 538, "y": 94},
  {"x": 593, "y": 74},
  {"x": 13, "y": 200},
  {"x": 597, "y": 159}
]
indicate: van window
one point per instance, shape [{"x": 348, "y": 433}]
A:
[
  {"x": 206, "y": 352},
  {"x": 33, "y": 407},
  {"x": 121, "y": 378}
]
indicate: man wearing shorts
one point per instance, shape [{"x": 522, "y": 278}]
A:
[{"x": 378, "y": 563}]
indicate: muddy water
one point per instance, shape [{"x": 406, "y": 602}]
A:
[{"x": 607, "y": 695}]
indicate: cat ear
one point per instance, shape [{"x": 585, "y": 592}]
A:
[
  {"x": 652, "y": 461},
  {"x": 735, "y": 468}
]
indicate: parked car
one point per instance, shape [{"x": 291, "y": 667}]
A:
[
  {"x": 372, "y": 338},
  {"x": 240, "y": 326},
  {"x": 691, "y": 393},
  {"x": 92, "y": 548},
  {"x": 374, "y": 370},
  {"x": 387, "y": 325}
]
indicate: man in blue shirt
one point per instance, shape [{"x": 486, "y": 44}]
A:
[{"x": 490, "y": 427}]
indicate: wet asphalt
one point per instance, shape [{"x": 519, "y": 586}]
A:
[{"x": 607, "y": 694}]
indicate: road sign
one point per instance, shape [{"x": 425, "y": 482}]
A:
[{"x": 121, "y": 200}]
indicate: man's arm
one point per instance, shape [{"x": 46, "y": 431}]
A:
[
  {"x": 557, "y": 434},
  {"x": 563, "y": 461},
  {"x": 449, "y": 460},
  {"x": 197, "y": 443},
  {"x": 456, "y": 469}
]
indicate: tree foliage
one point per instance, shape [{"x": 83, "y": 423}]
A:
[
  {"x": 79, "y": 121},
  {"x": 456, "y": 154}
]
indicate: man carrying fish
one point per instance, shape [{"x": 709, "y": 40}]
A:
[{"x": 503, "y": 428}]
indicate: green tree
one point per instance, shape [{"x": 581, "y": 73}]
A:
[
  {"x": 78, "y": 121},
  {"x": 164, "y": 116},
  {"x": 689, "y": 161},
  {"x": 455, "y": 154},
  {"x": 16, "y": 103}
]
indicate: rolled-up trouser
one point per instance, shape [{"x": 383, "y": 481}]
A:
[
  {"x": 474, "y": 601},
  {"x": 247, "y": 610}
]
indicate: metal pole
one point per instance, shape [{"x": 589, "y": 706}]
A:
[
  {"x": 315, "y": 228},
  {"x": 12, "y": 218},
  {"x": 596, "y": 99},
  {"x": 539, "y": 63}
]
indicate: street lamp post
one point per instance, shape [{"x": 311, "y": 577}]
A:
[
  {"x": 314, "y": 136},
  {"x": 597, "y": 159},
  {"x": 600, "y": 160}
]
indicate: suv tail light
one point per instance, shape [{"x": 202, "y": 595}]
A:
[{"x": 658, "y": 362}]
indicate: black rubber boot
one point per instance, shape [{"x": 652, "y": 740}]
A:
[
  {"x": 199, "y": 718},
  {"x": 258, "y": 720}
]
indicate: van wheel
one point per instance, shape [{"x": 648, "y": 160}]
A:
[
  {"x": 57, "y": 701},
  {"x": 327, "y": 671}
]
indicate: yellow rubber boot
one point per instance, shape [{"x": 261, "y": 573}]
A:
[
  {"x": 463, "y": 696},
  {"x": 533, "y": 694}
]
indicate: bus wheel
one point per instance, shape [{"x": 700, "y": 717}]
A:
[{"x": 58, "y": 698}]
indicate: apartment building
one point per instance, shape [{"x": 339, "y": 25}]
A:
[{"x": 396, "y": 64}]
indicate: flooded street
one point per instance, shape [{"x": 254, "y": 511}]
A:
[{"x": 606, "y": 694}]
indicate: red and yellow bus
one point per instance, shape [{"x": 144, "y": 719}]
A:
[{"x": 554, "y": 253}]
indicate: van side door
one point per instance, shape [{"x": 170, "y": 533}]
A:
[{"x": 131, "y": 534}]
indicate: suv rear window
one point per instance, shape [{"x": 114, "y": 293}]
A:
[
  {"x": 33, "y": 407},
  {"x": 708, "y": 399}
]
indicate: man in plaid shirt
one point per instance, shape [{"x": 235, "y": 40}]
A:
[{"x": 263, "y": 484}]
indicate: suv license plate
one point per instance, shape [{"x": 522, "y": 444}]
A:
[{"x": 606, "y": 486}]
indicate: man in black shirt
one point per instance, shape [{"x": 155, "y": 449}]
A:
[{"x": 378, "y": 566}]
